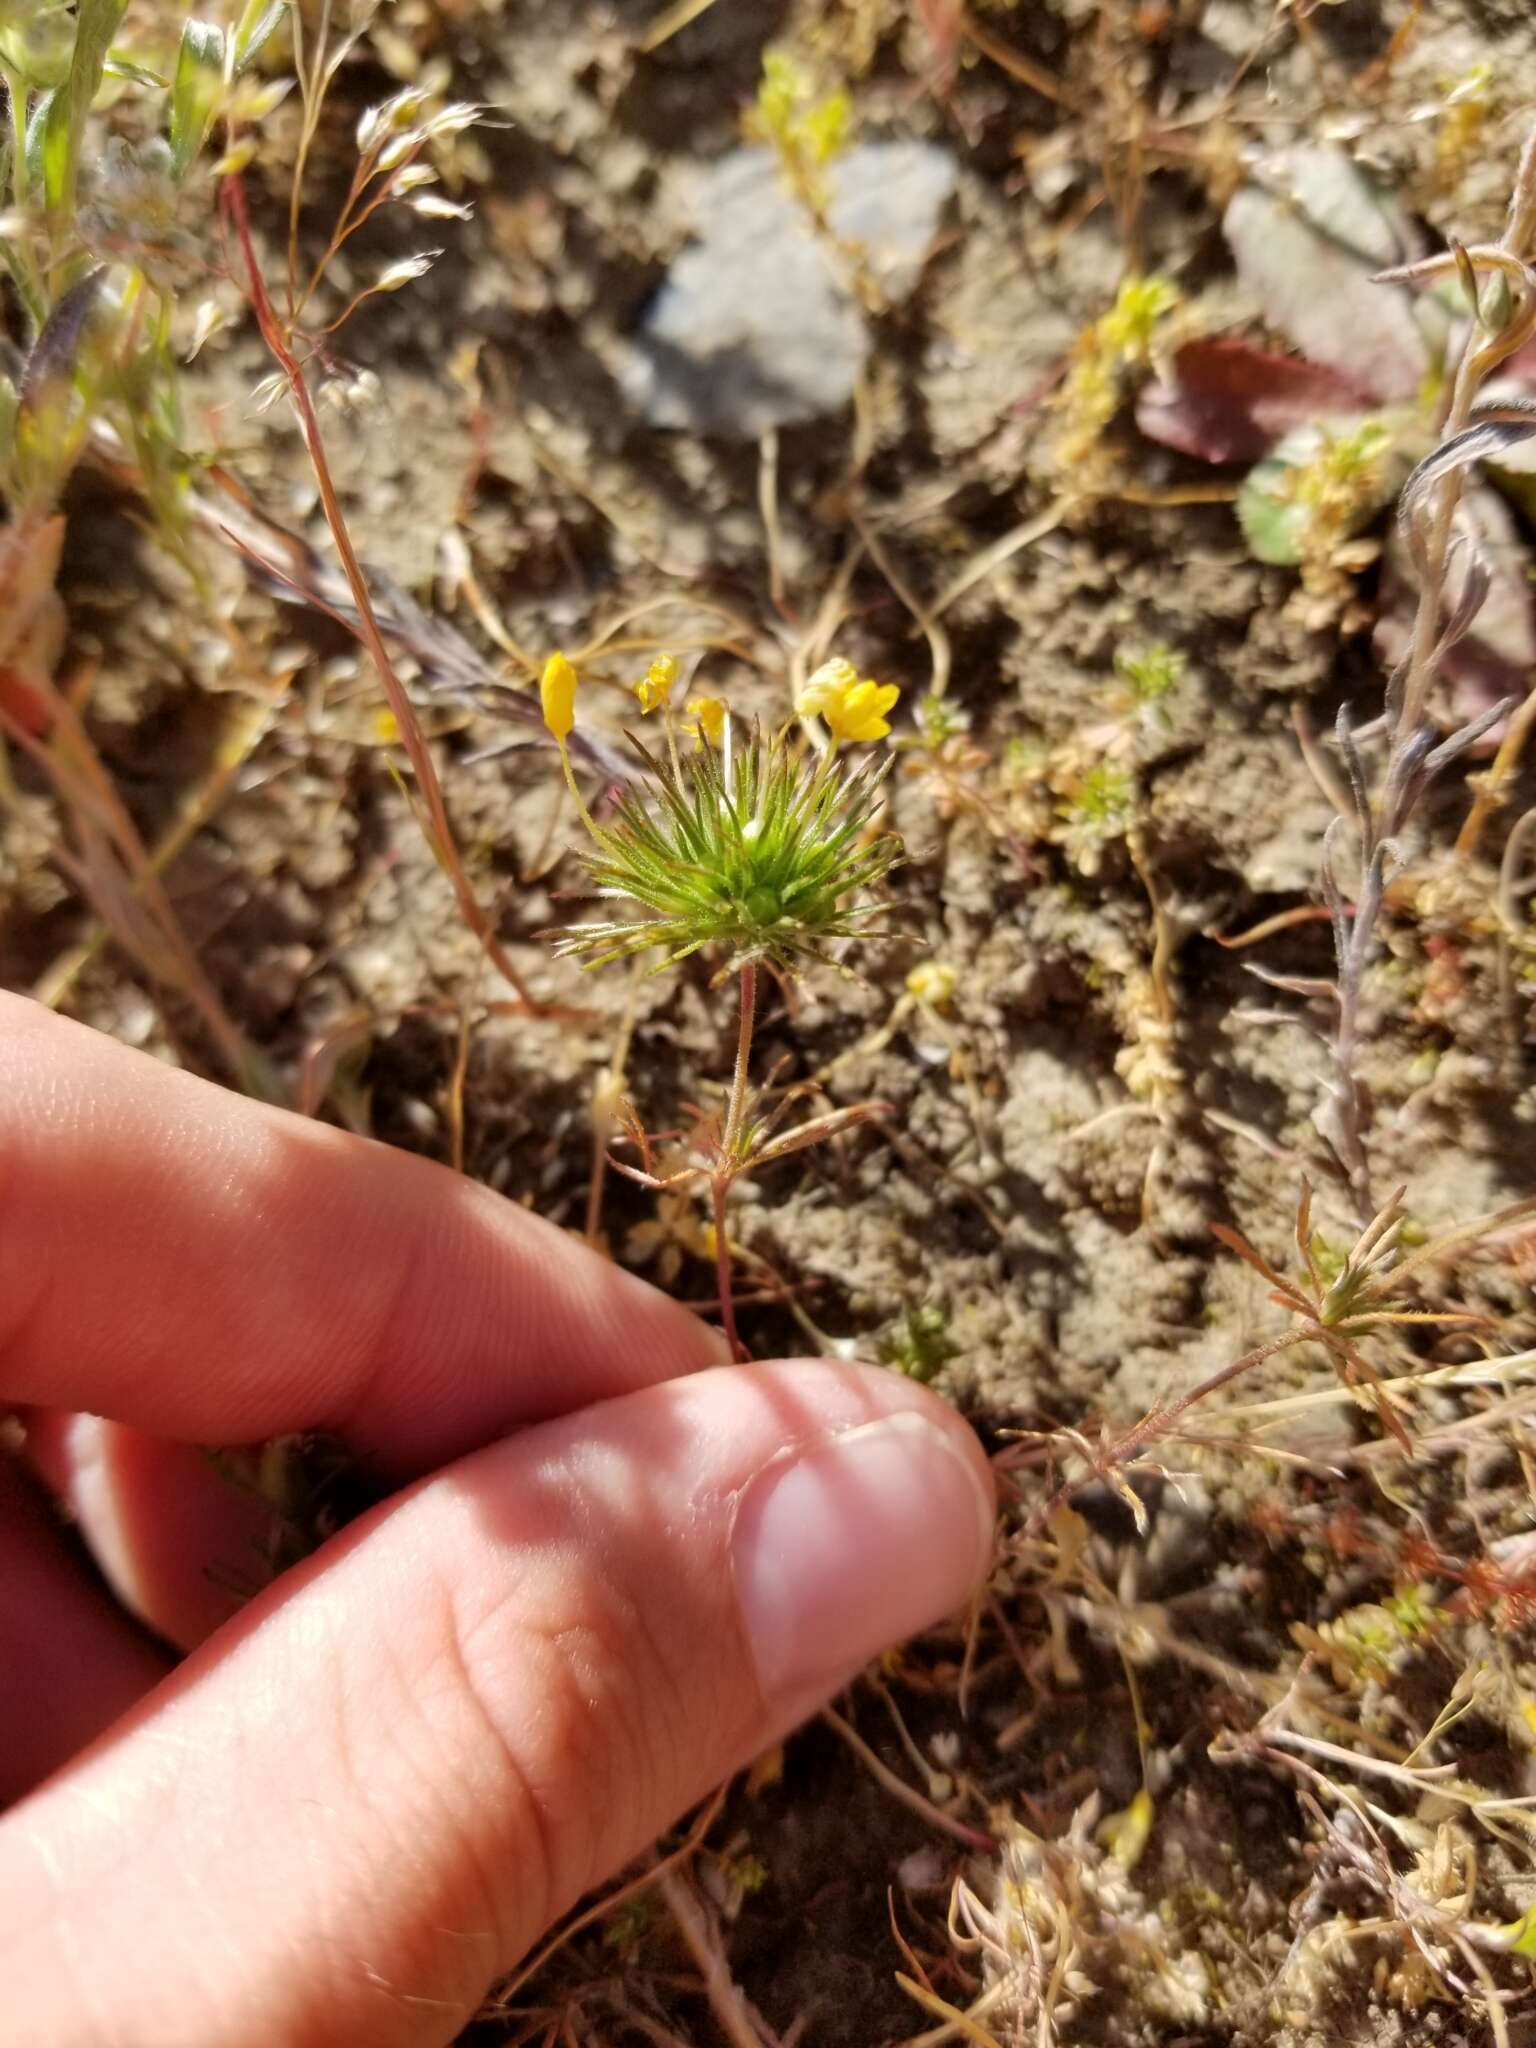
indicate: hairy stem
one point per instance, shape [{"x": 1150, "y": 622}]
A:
[
  {"x": 730, "y": 1146},
  {"x": 1348, "y": 1134},
  {"x": 736, "y": 1112},
  {"x": 1470, "y": 372}
]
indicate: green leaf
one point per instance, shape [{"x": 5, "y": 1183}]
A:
[
  {"x": 196, "y": 92},
  {"x": 256, "y": 23},
  {"x": 95, "y": 26},
  {"x": 135, "y": 74},
  {"x": 1319, "y": 485},
  {"x": 48, "y": 145},
  {"x": 1273, "y": 524}
]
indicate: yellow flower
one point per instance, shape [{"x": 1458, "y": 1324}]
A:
[
  {"x": 656, "y": 685},
  {"x": 706, "y": 718},
  {"x": 832, "y": 680},
  {"x": 852, "y": 709},
  {"x": 557, "y": 695},
  {"x": 933, "y": 982},
  {"x": 861, "y": 714}
]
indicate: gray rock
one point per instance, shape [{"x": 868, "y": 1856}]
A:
[{"x": 754, "y": 328}]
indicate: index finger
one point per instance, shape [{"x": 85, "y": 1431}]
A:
[{"x": 201, "y": 1265}]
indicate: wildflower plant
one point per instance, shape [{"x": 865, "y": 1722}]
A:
[
  {"x": 98, "y": 251},
  {"x": 755, "y": 849},
  {"x": 1128, "y": 338},
  {"x": 808, "y": 131},
  {"x": 749, "y": 850}
]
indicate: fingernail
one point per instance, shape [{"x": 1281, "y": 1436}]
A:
[{"x": 853, "y": 1544}]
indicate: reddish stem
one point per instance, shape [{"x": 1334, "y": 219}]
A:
[
  {"x": 232, "y": 193},
  {"x": 730, "y": 1142}
]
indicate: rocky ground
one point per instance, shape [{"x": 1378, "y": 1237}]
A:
[{"x": 647, "y": 400}]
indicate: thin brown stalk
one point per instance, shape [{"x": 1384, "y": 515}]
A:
[
  {"x": 1002, "y": 550},
  {"x": 973, "y": 1838},
  {"x": 741, "y": 2026},
  {"x": 1492, "y": 787},
  {"x": 1014, "y": 62},
  {"x": 252, "y": 723},
  {"x": 232, "y": 194},
  {"x": 610, "y": 1901},
  {"x": 930, "y": 628},
  {"x": 768, "y": 511},
  {"x": 117, "y": 876}
]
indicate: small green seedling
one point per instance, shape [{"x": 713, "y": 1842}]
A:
[{"x": 920, "y": 1345}]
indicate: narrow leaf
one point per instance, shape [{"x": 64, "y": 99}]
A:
[
  {"x": 95, "y": 26},
  {"x": 48, "y": 146},
  {"x": 257, "y": 21},
  {"x": 52, "y": 410},
  {"x": 196, "y": 93},
  {"x": 1494, "y": 430},
  {"x": 134, "y": 74}
]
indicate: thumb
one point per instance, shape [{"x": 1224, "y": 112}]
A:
[{"x": 365, "y": 1797}]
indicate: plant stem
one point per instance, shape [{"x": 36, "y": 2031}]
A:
[
  {"x": 936, "y": 1817},
  {"x": 736, "y": 1113},
  {"x": 1492, "y": 788},
  {"x": 1382, "y": 823},
  {"x": 1349, "y": 1139},
  {"x": 701, "y": 1937},
  {"x": 440, "y": 837},
  {"x": 730, "y": 1142}
]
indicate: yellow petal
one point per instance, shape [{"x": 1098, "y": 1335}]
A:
[
  {"x": 707, "y": 718},
  {"x": 859, "y": 714},
  {"x": 655, "y": 686},
  {"x": 933, "y": 982},
  {"x": 826, "y": 687},
  {"x": 557, "y": 695},
  {"x": 1124, "y": 1834}
]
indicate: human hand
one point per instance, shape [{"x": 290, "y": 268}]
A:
[{"x": 609, "y": 1578}]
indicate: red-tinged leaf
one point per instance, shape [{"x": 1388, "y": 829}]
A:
[
  {"x": 31, "y": 619},
  {"x": 22, "y": 705},
  {"x": 1227, "y": 401}
]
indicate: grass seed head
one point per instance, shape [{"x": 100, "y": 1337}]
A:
[{"x": 754, "y": 848}]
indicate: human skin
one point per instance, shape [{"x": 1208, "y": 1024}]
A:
[{"x": 610, "y": 1569}]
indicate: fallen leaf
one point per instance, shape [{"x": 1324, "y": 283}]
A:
[
  {"x": 1306, "y": 235},
  {"x": 1227, "y": 401}
]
